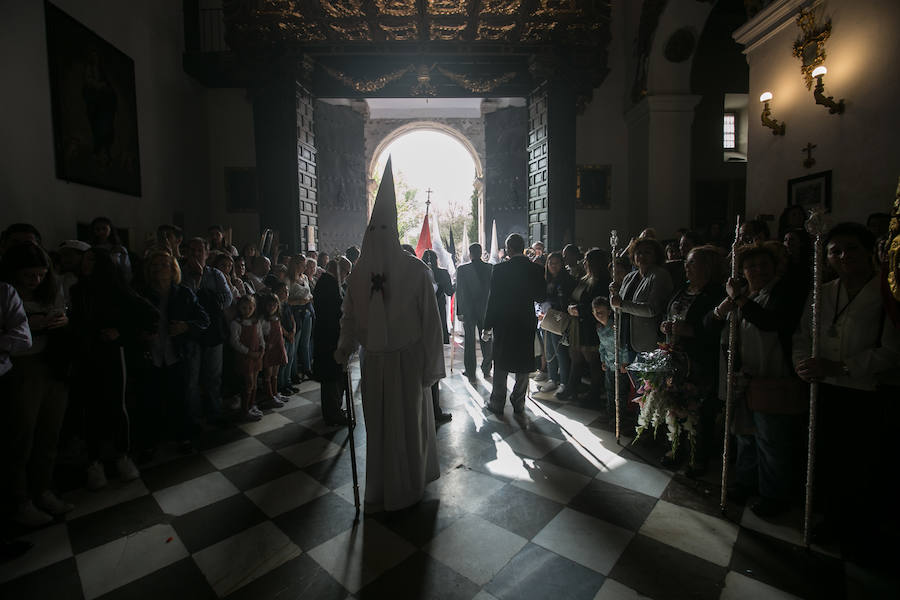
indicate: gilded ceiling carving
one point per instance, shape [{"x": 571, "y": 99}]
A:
[
  {"x": 353, "y": 32},
  {"x": 489, "y": 31},
  {"x": 477, "y": 85},
  {"x": 537, "y": 31},
  {"x": 557, "y": 8},
  {"x": 367, "y": 86},
  {"x": 447, "y": 33},
  {"x": 504, "y": 8},
  {"x": 404, "y": 32},
  {"x": 447, "y": 8},
  {"x": 397, "y": 8},
  {"x": 343, "y": 8}
]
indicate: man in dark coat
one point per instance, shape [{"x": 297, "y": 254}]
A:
[
  {"x": 473, "y": 280},
  {"x": 515, "y": 286},
  {"x": 327, "y": 304}
]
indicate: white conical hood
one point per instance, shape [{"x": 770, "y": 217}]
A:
[
  {"x": 465, "y": 248},
  {"x": 380, "y": 257},
  {"x": 495, "y": 246}
]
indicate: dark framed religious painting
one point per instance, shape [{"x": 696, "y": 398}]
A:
[
  {"x": 593, "y": 186},
  {"x": 94, "y": 103},
  {"x": 811, "y": 191}
]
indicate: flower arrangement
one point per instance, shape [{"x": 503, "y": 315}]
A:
[{"x": 666, "y": 396}]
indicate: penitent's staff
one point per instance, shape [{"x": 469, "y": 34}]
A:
[
  {"x": 733, "y": 320},
  {"x": 815, "y": 225},
  {"x": 614, "y": 242},
  {"x": 351, "y": 426}
]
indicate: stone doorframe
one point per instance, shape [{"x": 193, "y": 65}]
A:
[{"x": 474, "y": 148}]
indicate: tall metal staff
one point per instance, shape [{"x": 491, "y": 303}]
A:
[
  {"x": 729, "y": 381},
  {"x": 614, "y": 243},
  {"x": 815, "y": 225},
  {"x": 351, "y": 426}
]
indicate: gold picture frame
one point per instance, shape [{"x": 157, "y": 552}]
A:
[{"x": 593, "y": 186}]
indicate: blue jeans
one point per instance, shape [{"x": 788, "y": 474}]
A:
[
  {"x": 766, "y": 460},
  {"x": 304, "y": 345},
  {"x": 558, "y": 361},
  {"x": 204, "y": 364},
  {"x": 285, "y": 371}
]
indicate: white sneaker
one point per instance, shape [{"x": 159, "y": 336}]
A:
[
  {"x": 127, "y": 470},
  {"x": 96, "y": 476},
  {"x": 282, "y": 398},
  {"x": 30, "y": 516},
  {"x": 549, "y": 386},
  {"x": 51, "y": 503},
  {"x": 255, "y": 412},
  {"x": 539, "y": 376},
  {"x": 272, "y": 402}
]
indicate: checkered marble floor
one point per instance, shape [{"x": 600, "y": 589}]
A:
[{"x": 549, "y": 506}]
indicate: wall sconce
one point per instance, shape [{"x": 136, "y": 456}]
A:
[
  {"x": 776, "y": 127},
  {"x": 819, "y": 93}
]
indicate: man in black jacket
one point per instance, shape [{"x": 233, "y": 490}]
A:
[
  {"x": 473, "y": 280},
  {"x": 515, "y": 286}
]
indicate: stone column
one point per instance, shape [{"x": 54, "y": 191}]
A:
[{"x": 659, "y": 163}]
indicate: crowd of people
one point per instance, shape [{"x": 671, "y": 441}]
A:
[
  {"x": 127, "y": 349},
  {"x": 124, "y": 350}
]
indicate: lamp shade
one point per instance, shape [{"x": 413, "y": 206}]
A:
[
  {"x": 819, "y": 71},
  {"x": 765, "y": 97}
]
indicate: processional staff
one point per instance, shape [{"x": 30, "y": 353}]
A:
[
  {"x": 614, "y": 242},
  {"x": 733, "y": 320},
  {"x": 815, "y": 226}
]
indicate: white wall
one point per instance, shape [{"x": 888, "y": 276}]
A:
[
  {"x": 859, "y": 147},
  {"x": 231, "y": 144},
  {"x": 602, "y": 139},
  {"x": 172, "y": 124}
]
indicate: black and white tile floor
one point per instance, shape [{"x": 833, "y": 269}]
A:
[{"x": 548, "y": 508}]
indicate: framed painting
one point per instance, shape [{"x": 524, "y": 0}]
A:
[
  {"x": 593, "y": 186},
  {"x": 93, "y": 98},
  {"x": 811, "y": 191}
]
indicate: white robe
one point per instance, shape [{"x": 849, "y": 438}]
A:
[{"x": 401, "y": 455}]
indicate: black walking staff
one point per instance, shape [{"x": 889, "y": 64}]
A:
[{"x": 351, "y": 426}]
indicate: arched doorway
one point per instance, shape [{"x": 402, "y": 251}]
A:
[{"x": 431, "y": 156}]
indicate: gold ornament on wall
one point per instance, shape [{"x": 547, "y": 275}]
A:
[
  {"x": 477, "y": 86},
  {"x": 366, "y": 86},
  {"x": 810, "y": 46}
]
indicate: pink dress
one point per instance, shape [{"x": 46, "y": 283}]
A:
[{"x": 275, "y": 354}]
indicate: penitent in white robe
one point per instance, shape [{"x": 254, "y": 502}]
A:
[{"x": 401, "y": 455}]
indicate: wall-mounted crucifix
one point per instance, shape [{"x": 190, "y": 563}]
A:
[{"x": 809, "y": 161}]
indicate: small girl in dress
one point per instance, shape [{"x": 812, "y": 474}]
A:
[
  {"x": 276, "y": 353},
  {"x": 248, "y": 343}
]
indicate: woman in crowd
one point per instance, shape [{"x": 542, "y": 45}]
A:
[
  {"x": 770, "y": 308},
  {"x": 583, "y": 330},
  {"x": 104, "y": 235},
  {"x": 799, "y": 247},
  {"x": 163, "y": 407},
  {"x": 239, "y": 277},
  {"x": 36, "y": 404},
  {"x": 690, "y": 329},
  {"x": 217, "y": 243},
  {"x": 560, "y": 286},
  {"x": 300, "y": 299},
  {"x": 248, "y": 343},
  {"x": 106, "y": 317},
  {"x": 856, "y": 345},
  {"x": 328, "y": 329},
  {"x": 643, "y": 296},
  {"x": 225, "y": 263}
]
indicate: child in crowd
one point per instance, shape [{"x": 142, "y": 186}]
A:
[
  {"x": 276, "y": 354},
  {"x": 288, "y": 330},
  {"x": 603, "y": 314},
  {"x": 248, "y": 342}
]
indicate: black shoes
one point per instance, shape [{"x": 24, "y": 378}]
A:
[
  {"x": 766, "y": 508},
  {"x": 443, "y": 417}
]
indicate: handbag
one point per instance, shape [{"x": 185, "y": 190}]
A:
[
  {"x": 555, "y": 321},
  {"x": 778, "y": 395}
]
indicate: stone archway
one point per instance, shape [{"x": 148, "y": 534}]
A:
[{"x": 395, "y": 129}]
